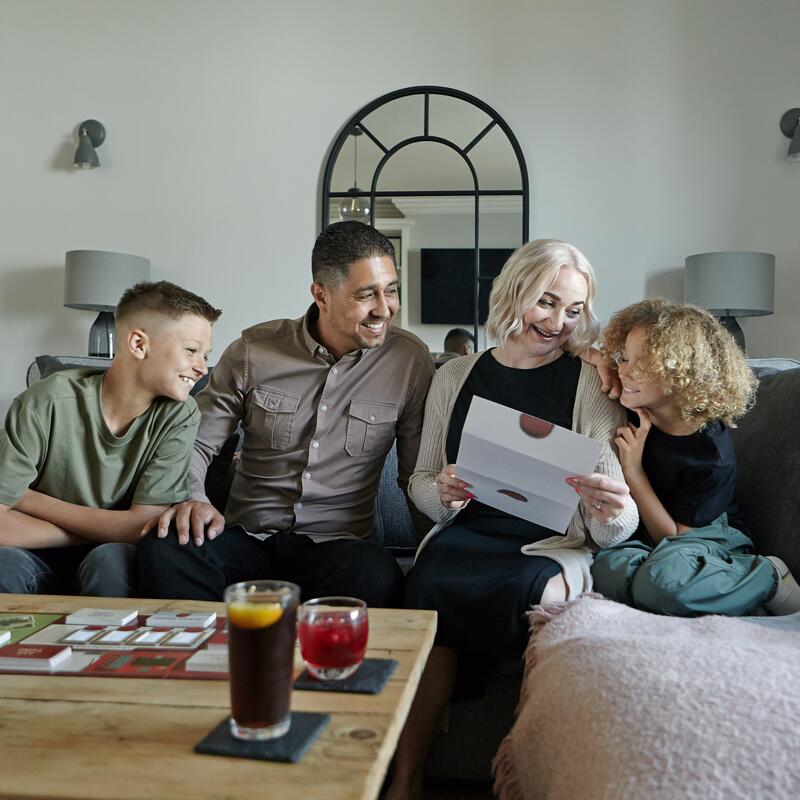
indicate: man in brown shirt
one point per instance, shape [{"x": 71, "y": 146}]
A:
[{"x": 321, "y": 399}]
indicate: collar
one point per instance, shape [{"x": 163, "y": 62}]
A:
[{"x": 314, "y": 347}]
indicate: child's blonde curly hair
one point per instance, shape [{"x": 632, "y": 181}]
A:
[{"x": 689, "y": 355}]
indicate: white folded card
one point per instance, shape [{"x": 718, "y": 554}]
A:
[
  {"x": 101, "y": 616},
  {"x": 182, "y": 619},
  {"x": 518, "y": 463}
]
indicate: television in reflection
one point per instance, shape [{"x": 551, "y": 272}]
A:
[{"x": 447, "y": 283}]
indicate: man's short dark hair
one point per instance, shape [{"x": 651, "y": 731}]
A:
[
  {"x": 341, "y": 245},
  {"x": 163, "y": 297},
  {"x": 456, "y": 337}
]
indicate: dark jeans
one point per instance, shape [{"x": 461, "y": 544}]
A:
[
  {"x": 352, "y": 567},
  {"x": 104, "y": 570}
]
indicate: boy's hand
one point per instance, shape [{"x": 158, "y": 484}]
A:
[
  {"x": 630, "y": 444},
  {"x": 200, "y": 519}
]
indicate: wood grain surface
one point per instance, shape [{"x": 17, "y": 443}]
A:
[{"x": 85, "y": 738}]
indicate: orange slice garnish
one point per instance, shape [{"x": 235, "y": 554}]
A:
[{"x": 254, "y": 615}]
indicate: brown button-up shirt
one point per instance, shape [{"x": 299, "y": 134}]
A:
[{"x": 316, "y": 430}]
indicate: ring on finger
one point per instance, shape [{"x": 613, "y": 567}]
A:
[{"x": 599, "y": 505}]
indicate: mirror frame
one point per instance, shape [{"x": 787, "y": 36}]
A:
[{"x": 357, "y": 121}]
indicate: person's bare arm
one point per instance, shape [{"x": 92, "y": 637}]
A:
[
  {"x": 94, "y": 524},
  {"x": 656, "y": 518},
  {"x": 630, "y": 445},
  {"x": 22, "y": 530}
]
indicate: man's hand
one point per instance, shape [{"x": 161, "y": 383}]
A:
[
  {"x": 630, "y": 444},
  {"x": 200, "y": 519}
]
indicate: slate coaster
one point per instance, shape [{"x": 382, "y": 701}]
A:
[
  {"x": 305, "y": 728},
  {"x": 369, "y": 678}
]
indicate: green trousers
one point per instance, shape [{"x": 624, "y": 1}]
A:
[{"x": 710, "y": 570}]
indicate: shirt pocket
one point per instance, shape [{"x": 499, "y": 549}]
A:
[
  {"x": 370, "y": 428},
  {"x": 270, "y": 417}
]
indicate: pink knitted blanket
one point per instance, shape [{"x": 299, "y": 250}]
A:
[{"x": 617, "y": 703}]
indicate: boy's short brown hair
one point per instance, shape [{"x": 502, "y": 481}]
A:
[
  {"x": 689, "y": 355},
  {"x": 165, "y": 298}
]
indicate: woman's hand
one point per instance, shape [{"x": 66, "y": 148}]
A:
[
  {"x": 630, "y": 444},
  {"x": 603, "y": 497},
  {"x": 610, "y": 383},
  {"x": 452, "y": 491}
]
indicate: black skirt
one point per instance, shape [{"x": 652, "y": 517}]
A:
[{"x": 481, "y": 585}]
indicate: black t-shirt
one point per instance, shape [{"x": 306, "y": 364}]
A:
[
  {"x": 547, "y": 392},
  {"x": 693, "y": 476}
]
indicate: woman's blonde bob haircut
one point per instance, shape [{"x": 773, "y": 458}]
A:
[
  {"x": 525, "y": 277},
  {"x": 689, "y": 356}
]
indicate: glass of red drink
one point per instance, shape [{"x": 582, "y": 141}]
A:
[
  {"x": 333, "y": 635},
  {"x": 262, "y": 618}
]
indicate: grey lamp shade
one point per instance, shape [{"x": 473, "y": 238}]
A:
[
  {"x": 733, "y": 284},
  {"x": 96, "y": 279}
]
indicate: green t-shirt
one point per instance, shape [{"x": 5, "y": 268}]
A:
[{"x": 56, "y": 441}]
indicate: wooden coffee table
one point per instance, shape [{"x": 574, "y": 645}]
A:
[{"x": 87, "y": 737}]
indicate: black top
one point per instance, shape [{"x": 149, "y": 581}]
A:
[
  {"x": 693, "y": 476},
  {"x": 547, "y": 392}
]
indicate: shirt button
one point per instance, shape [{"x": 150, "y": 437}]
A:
[
  {"x": 335, "y": 371},
  {"x": 315, "y": 444},
  {"x": 372, "y": 418},
  {"x": 298, "y": 506},
  {"x": 307, "y": 475},
  {"x": 323, "y": 407}
]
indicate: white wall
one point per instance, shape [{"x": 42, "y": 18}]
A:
[{"x": 650, "y": 128}]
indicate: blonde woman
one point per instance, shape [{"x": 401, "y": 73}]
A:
[
  {"x": 479, "y": 568},
  {"x": 685, "y": 381}
]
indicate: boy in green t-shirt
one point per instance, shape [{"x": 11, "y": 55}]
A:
[{"x": 88, "y": 458}]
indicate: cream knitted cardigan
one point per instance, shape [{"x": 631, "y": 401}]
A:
[{"x": 593, "y": 415}]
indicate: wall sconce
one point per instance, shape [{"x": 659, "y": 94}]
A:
[
  {"x": 791, "y": 130},
  {"x": 95, "y": 281},
  {"x": 730, "y": 285},
  {"x": 91, "y": 134}
]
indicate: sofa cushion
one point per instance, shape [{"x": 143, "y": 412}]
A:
[{"x": 767, "y": 444}]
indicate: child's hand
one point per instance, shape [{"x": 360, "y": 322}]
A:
[{"x": 630, "y": 443}]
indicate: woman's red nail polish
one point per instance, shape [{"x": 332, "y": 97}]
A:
[{"x": 470, "y": 495}]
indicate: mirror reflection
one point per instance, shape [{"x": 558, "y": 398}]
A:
[{"x": 435, "y": 236}]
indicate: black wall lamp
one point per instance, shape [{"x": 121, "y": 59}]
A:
[
  {"x": 91, "y": 135},
  {"x": 791, "y": 130}
]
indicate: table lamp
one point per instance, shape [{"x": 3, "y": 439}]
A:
[
  {"x": 730, "y": 285},
  {"x": 95, "y": 281}
]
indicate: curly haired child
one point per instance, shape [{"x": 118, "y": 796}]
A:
[{"x": 686, "y": 380}]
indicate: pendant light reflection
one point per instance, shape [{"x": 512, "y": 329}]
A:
[{"x": 355, "y": 207}]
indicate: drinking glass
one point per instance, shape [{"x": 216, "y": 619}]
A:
[
  {"x": 262, "y": 618},
  {"x": 333, "y": 635}
]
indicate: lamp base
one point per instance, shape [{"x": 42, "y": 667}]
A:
[
  {"x": 734, "y": 329},
  {"x": 102, "y": 336}
]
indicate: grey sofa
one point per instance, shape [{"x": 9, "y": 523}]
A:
[
  {"x": 768, "y": 449},
  {"x": 767, "y": 443}
]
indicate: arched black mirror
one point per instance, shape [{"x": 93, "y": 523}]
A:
[{"x": 441, "y": 173}]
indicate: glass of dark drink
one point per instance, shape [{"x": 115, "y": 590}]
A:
[
  {"x": 262, "y": 619},
  {"x": 333, "y": 635}
]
